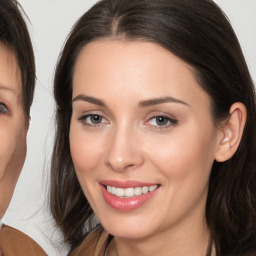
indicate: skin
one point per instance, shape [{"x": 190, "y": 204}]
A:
[
  {"x": 128, "y": 144},
  {"x": 13, "y": 126}
]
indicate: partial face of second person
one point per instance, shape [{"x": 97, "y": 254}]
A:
[
  {"x": 13, "y": 126},
  {"x": 141, "y": 129}
]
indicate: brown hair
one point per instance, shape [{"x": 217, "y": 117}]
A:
[
  {"x": 14, "y": 34},
  {"x": 199, "y": 33}
]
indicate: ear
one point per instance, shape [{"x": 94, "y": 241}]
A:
[{"x": 231, "y": 132}]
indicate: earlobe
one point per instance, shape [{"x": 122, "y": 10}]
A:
[{"x": 231, "y": 132}]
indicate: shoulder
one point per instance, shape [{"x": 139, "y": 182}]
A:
[
  {"x": 95, "y": 243},
  {"x": 14, "y": 242}
]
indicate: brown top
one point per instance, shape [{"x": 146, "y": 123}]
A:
[
  {"x": 95, "y": 244},
  {"x": 15, "y": 243}
]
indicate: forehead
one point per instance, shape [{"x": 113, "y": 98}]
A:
[
  {"x": 10, "y": 76},
  {"x": 134, "y": 68},
  {"x": 128, "y": 62}
]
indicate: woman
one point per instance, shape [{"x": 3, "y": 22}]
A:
[
  {"x": 155, "y": 133},
  {"x": 17, "y": 82}
]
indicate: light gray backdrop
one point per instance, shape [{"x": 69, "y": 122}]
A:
[{"x": 51, "y": 21}]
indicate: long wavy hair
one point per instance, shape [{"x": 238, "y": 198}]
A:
[{"x": 199, "y": 33}]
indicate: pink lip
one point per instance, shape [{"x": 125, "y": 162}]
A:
[{"x": 125, "y": 204}]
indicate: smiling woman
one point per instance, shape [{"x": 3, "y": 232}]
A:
[
  {"x": 154, "y": 137},
  {"x": 138, "y": 130}
]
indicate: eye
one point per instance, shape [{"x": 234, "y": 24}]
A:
[
  {"x": 93, "y": 119},
  {"x": 161, "y": 121},
  {"x": 3, "y": 108}
]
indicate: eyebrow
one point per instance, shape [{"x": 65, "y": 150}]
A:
[
  {"x": 89, "y": 99},
  {"x": 144, "y": 103},
  {"x": 161, "y": 100}
]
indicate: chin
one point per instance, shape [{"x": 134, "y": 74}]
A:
[
  {"x": 131, "y": 233},
  {"x": 128, "y": 227}
]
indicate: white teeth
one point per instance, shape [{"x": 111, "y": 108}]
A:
[
  {"x": 113, "y": 190},
  {"x": 152, "y": 188},
  {"x": 145, "y": 190},
  {"x": 130, "y": 192},
  {"x": 137, "y": 191},
  {"x": 119, "y": 192}
]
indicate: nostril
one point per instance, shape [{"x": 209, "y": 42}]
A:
[
  {"x": 122, "y": 156},
  {"x": 120, "y": 166}
]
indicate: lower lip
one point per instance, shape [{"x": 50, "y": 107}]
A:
[{"x": 126, "y": 204}]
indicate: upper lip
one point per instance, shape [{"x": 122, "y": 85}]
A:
[{"x": 126, "y": 184}]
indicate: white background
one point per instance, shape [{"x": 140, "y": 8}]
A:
[{"x": 51, "y": 21}]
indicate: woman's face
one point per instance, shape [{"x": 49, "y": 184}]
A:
[
  {"x": 13, "y": 128},
  {"x": 142, "y": 138}
]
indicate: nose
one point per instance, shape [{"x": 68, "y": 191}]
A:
[{"x": 123, "y": 150}]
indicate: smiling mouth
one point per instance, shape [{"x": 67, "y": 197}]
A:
[
  {"x": 128, "y": 195},
  {"x": 130, "y": 192}
]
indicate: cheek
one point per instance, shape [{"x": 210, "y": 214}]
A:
[
  {"x": 13, "y": 152},
  {"x": 12, "y": 156},
  {"x": 7, "y": 148},
  {"x": 13, "y": 146},
  {"x": 184, "y": 162},
  {"x": 187, "y": 154},
  {"x": 85, "y": 150}
]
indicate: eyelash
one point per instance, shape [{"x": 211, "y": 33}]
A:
[
  {"x": 87, "y": 120},
  {"x": 3, "y": 108}
]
